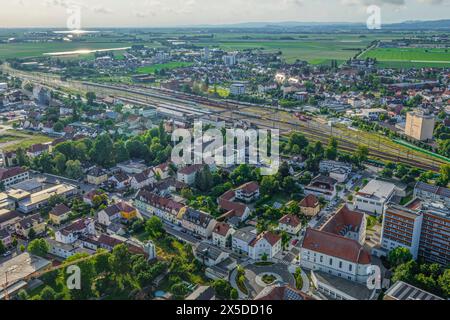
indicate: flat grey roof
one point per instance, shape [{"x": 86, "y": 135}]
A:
[
  {"x": 21, "y": 267},
  {"x": 404, "y": 291},
  {"x": 354, "y": 289}
]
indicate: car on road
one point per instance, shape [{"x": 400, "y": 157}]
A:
[
  {"x": 294, "y": 242},
  {"x": 6, "y": 254}
]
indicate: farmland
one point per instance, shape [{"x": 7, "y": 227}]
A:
[
  {"x": 33, "y": 50},
  {"x": 314, "y": 48},
  {"x": 408, "y": 57}
]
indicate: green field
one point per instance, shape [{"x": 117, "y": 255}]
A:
[
  {"x": 15, "y": 139},
  {"x": 167, "y": 66},
  {"x": 410, "y": 57},
  {"x": 315, "y": 51},
  {"x": 32, "y": 50}
]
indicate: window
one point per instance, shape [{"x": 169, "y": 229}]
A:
[
  {"x": 350, "y": 267},
  {"x": 340, "y": 264},
  {"x": 331, "y": 261}
]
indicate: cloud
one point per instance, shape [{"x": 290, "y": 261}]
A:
[{"x": 434, "y": 2}]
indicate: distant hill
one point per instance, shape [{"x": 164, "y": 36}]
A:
[{"x": 321, "y": 26}]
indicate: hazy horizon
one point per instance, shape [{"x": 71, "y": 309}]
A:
[{"x": 187, "y": 13}]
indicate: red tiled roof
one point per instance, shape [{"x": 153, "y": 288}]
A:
[
  {"x": 271, "y": 238},
  {"x": 230, "y": 194},
  {"x": 158, "y": 201},
  {"x": 191, "y": 169},
  {"x": 59, "y": 210},
  {"x": 10, "y": 172},
  {"x": 335, "y": 246},
  {"x": 222, "y": 228},
  {"x": 291, "y": 220},
  {"x": 237, "y": 207},
  {"x": 38, "y": 148},
  {"x": 249, "y": 187},
  {"x": 344, "y": 219},
  {"x": 310, "y": 201}
]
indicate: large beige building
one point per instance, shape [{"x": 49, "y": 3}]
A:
[{"x": 419, "y": 126}]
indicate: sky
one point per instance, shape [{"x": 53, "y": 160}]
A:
[{"x": 166, "y": 13}]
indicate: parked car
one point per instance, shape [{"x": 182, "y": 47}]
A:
[{"x": 7, "y": 253}]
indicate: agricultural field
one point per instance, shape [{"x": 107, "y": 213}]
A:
[
  {"x": 33, "y": 50},
  {"x": 167, "y": 66},
  {"x": 409, "y": 57},
  {"x": 314, "y": 48}
]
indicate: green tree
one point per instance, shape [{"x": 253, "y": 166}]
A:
[
  {"x": 59, "y": 161},
  {"x": 399, "y": 256},
  {"x": 444, "y": 282},
  {"x": 48, "y": 294},
  {"x": 154, "y": 227},
  {"x": 91, "y": 96},
  {"x": 58, "y": 126},
  {"x": 223, "y": 289},
  {"x": 102, "y": 152},
  {"x": 73, "y": 169},
  {"x": 2, "y": 248},
  {"x": 38, "y": 247}
]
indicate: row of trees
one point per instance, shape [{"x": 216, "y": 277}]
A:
[{"x": 67, "y": 157}]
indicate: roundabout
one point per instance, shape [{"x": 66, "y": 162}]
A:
[{"x": 258, "y": 277}]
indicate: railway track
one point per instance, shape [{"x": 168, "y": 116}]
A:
[
  {"x": 259, "y": 118},
  {"x": 318, "y": 134}
]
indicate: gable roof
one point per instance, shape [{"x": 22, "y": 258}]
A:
[
  {"x": 222, "y": 228},
  {"x": 249, "y": 187},
  {"x": 119, "y": 207},
  {"x": 335, "y": 246},
  {"x": 270, "y": 237},
  {"x": 343, "y": 221},
  {"x": 310, "y": 201},
  {"x": 290, "y": 220},
  {"x": 60, "y": 210}
]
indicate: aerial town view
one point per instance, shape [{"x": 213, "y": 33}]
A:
[{"x": 244, "y": 151}]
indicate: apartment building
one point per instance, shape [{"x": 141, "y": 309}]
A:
[
  {"x": 421, "y": 227},
  {"x": 420, "y": 126},
  {"x": 401, "y": 228}
]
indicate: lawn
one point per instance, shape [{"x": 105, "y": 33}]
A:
[
  {"x": 167, "y": 66},
  {"x": 410, "y": 57},
  {"x": 17, "y": 139}
]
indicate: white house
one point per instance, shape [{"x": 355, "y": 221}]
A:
[
  {"x": 221, "y": 233},
  {"x": 248, "y": 192},
  {"x": 187, "y": 174},
  {"x": 72, "y": 233},
  {"x": 322, "y": 186},
  {"x": 266, "y": 244},
  {"x": 143, "y": 179},
  {"x": 242, "y": 238},
  {"x": 290, "y": 224}
]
